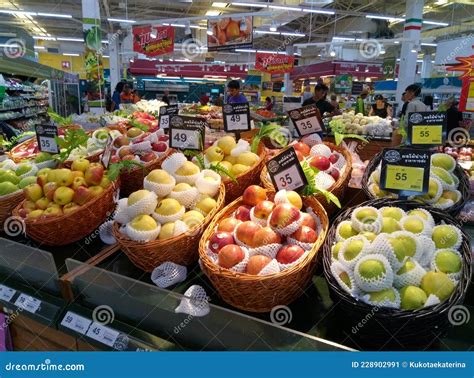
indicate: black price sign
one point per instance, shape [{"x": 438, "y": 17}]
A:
[
  {"x": 236, "y": 117},
  {"x": 165, "y": 113},
  {"x": 306, "y": 120},
  {"x": 405, "y": 171},
  {"x": 187, "y": 133},
  {"x": 426, "y": 128},
  {"x": 107, "y": 154},
  {"x": 286, "y": 172},
  {"x": 46, "y": 137}
]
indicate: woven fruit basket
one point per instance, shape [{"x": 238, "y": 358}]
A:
[
  {"x": 386, "y": 327},
  {"x": 7, "y": 205},
  {"x": 132, "y": 180},
  {"x": 463, "y": 187},
  {"x": 181, "y": 249},
  {"x": 338, "y": 188},
  {"x": 67, "y": 229},
  {"x": 257, "y": 293},
  {"x": 244, "y": 180}
]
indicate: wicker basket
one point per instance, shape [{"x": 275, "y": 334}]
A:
[
  {"x": 394, "y": 328},
  {"x": 181, "y": 249},
  {"x": 131, "y": 181},
  {"x": 338, "y": 188},
  {"x": 72, "y": 227},
  {"x": 261, "y": 293},
  {"x": 7, "y": 205},
  {"x": 454, "y": 210}
]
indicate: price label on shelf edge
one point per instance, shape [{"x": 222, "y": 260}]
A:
[
  {"x": 187, "y": 133},
  {"x": 46, "y": 137},
  {"x": 236, "y": 117},
  {"x": 426, "y": 128},
  {"x": 165, "y": 114},
  {"x": 102, "y": 334},
  {"x": 306, "y": 120},
  {"x": 286, "y": 172},
  {"x": 28, "y": 303},
  {"x": 405, "y": 171},
  {"x": 76, "y": 322},
  {"x": 6, "y": 293}
]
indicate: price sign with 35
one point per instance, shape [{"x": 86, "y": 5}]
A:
[
  {"x": 307, "y": 120},
  {"x": 286, "y": 172},
  {"x": 165, "y": 113},
  {"x": 46, "y": 137}
]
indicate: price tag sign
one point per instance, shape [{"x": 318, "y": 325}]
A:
[
  {"x": 286, "y": 172},
  {"x": 107, "y": 152},
  {"x": 6, "y": 293},
  {"x": 45, "y": 135},
  {"x": 187, "y": 133},
  {"x": 405, "y": 171},
  {"x": 165, "y": 113},
  {"x": 307, "y": 120},
  {"x": 28, "y": 303},
  {"x": 76, "y": 322},
  {"x": 425, "y": 129},
  {"x": 236, "y": 117},
  {"x": 102, "y": 334}
]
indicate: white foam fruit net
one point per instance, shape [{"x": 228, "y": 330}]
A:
[
  {"x": 168, "y": 274},
  {"x": 195, "y": 302}
]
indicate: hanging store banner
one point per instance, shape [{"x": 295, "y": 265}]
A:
[
  {"x": 229, "y": 33},
  {"x": 274, "y": 63},
  {"x": 343, "y": 83},
  {"x": 466, "y": 66},
  {"x": 388, "y": 68},
  {"x": 143, "y": 43}
]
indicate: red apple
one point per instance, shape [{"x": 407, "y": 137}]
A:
[
  {"x": 159, "y": 147},
  {"x": 253, "y": 195},
  {"x": 242, "y": 213},
  {"x": 289, "y": 253},
  {"x": 121, "y": 141},
  {"x": 320, "y": 162},
  {"x": 263, "y": 209},
  {"x": 114, "y": 159},
  {"x": 333, "y": 158},
  {"x": 308, "y": 220},
  {"x": 265, "y": 236},
  {"x": 230, "y": 255},
  {"x": 305, "y": 234},
  {"x": 219, "y": 240},
  {"x": 48, "y": 190},
  {"x": 302, "y": 147},
  {"x": 335, "y": 174},
  {"x": 163, "y": 138},
  {"x": 283, "y": 215},
  {"x": 94, "y": 174},
  {"x": 245, "y": 231},
  {"x": 124, "y": 152},
  {"x": 148, "y": 156},
  {"x": 129, "y": 157},
  {"x": 299, "y": 155},
  {"x": 82, "y": 195},
  {"x": 228, "y": 224},
  {"x": 257, "y": 263}
]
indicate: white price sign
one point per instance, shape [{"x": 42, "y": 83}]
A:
[
  {"x": 185, "y": 139},
  {"x": 76, "y": 322},
  {"x": 236, "y": 122},
  {"x": 164, "y": 121},
  {"x": 48, "y": 144},
  {"x": 46, "y": 137},
  {"x": 28, "y": 303},
  {"x": 6, "y": 293},
  {"x": 308, "y": 126},
  {"x": 286, "y": 172},
  {"x": 102, "y": 334},
  {"x": 289, "y": 179}
]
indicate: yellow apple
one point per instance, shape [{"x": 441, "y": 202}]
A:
[
  {"x": 143, "y": 223},
  {"x": 80, "y": 164},
  {"x": 79, "y": 181},
  {"x": 35, "y": 214},
  {"x": 63, "y": 195},
  {"x": 33, "y": 192},
  {"x": 42, "y": 203},
  {"x": 64, "y": 177},
  {"x": 96, "y": 190}
]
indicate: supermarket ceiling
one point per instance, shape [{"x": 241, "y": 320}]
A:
[{"x": 349, "y": 18}]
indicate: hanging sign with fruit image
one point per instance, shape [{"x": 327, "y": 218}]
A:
[
  {"x": 165, "y": 113},
  {"x": 307, "y": 120},
  {"x": 286, "y": 172},
  {"x": 229, "y": 33},
  {"x": 426, "y": 129},
  {"x": 187, "y": 133},
  {"x": 406, "y": 171},
  {"x": 236, "y": 117},
  {"x": 46, "y": 136},
  {"x": 163, "y": 43}
]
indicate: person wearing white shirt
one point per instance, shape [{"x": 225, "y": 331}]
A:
[{"x": 414, "y": 103}]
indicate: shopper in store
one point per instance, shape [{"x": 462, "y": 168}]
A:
[
  {"x": 126, "y": 97},
  {"x": 360, "y": 103},
  {"x": 268, "y": 104},
  {"x": 204, "y": 99},
  {"x": 115, "y": 105},
  {"x": 234, "y": 95},
  {"x": 166, "y": 98},
  {"x": 320, "y": 91},
  {"x": 453, "y": 115},
  {"x": 403, "y": 111},
  {"x": 381, "y": 108},
  {"x": 135, "y": 96},
  {"x": 85, "y": 102},
  {"x": 428, "y": 101},
  {"x": 307, "y": 94},
  {"x": 414, "y": 103},
  {"x": 334, "y": 101}
]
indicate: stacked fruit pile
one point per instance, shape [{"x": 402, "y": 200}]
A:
[
  {"x": 56, "y": 192},
  {"x": 391, "y": 258},
  {"x": 175, "y": 200},
  {"x": 14, "y": 177},
  {"x": 443, "y": 184},
  {"x": 351, "y": 123},
  {"x": 263, "y": 236}
]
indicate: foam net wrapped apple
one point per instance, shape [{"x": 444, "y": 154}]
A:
[
  {"x": 398, "y": 257},
  {"x": 164, "y": 220},
  {"x": 259, "y": 244},
  {"x": 58, "y": 204},
  {"x": 448, "y": 184}
]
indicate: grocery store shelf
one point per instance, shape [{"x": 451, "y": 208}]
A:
[{"x": 23, "y": 116}]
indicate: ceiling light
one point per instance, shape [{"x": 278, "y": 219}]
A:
[
  {"x": 245, "y": 50},
  {"x": 332, "y": 53},
  {"x": 213, "y": 13},
  {"x": 121, "y": 20},
  {"x": 250, "y": 5},
  {"x": 388, "y": 18},
  {"x": 219, "y": 5},
  {"x": 182, "y": 60},
  {"x": 396, "y": 42},
  {"x": 178, "y": 25},
  {"x": 132, "y": 59},
  {"x": 70, "y": 54},
  {"x": 104, "y": 41},
  {"x": 293, "y": 34},
  {"x": 285, "y": 8},
  {"x": 343, "y": 38},
  {"x": 318, "y": 11},
  {"x": 39, "y": 47},
  {"x": 429, "y": 44},
  {"x": 414, "y": 50},
  {"x": 271, "y": 52},
  {"x": 105, "y": 56},
  {"x": 160, "y": 60},
  {"x": 209, "y": 32},
  {"x": 19, "y": 13},
  {"x": 266, "y": 32},
  {"x": 55, "y": 15},
  {"x": 197, "y": 27},
  {"x": 382, "y": 52},
  {"x": 436, "y": 23},
  {"x": 44, "y": 38},
  {"x": 66, "y": 39}
]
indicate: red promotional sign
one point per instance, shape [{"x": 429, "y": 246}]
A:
[
  {"x": 162, "y": 44},
  {"x": 274, "y": 63},
  {"x": 466, "y": 66}
]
